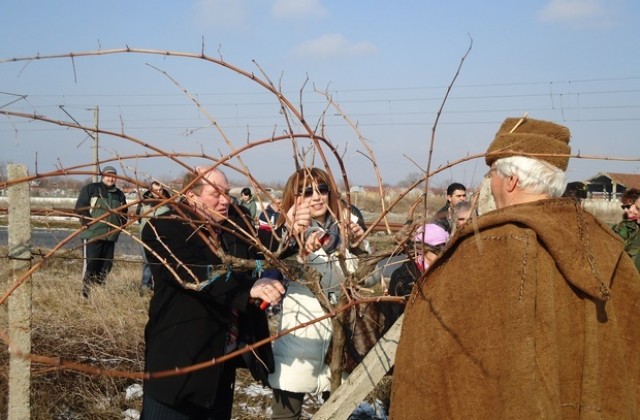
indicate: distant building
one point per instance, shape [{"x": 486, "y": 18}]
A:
[{"x": 611, "y": 184}]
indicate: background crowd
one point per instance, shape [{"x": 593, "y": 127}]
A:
[{"x": 550, "y": 301}]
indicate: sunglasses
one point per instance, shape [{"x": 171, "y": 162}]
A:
[
  {"x": 626, "y": 206},
  {"x": 323, "y": 189}
]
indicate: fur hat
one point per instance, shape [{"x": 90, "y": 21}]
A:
[
  {"x": 109, "y": 170},
  {"x": 526, "y": 136}
]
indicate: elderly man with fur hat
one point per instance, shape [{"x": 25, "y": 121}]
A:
[{"x": 531, "y": 311}]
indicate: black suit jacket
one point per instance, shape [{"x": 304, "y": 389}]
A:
[{"x": 187, "y": 327}]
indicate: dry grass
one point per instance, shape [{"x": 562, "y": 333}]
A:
[
  {"x": 105, "y": 331},
  {"x": 370, "y": 205}
]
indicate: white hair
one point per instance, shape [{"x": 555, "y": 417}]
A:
[{"x": 534, "y": 175}]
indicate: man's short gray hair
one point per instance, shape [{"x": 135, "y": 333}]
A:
[{"x": 533, "y": 175}]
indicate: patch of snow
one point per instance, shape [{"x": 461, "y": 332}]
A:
[
  {"x": 255, "y": 411},
  {"x": 255, "y": 390},
  {"x": 133, "y": 392},
  {"x": 131, "y": 414}
]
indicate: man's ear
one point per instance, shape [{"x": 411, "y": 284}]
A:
[{"x": 511, "y": 183}]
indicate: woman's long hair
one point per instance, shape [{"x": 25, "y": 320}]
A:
[{"x": 301, "y": 179}]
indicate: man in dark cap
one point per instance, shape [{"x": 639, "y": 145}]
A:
[
  {"x": 546, "y": 327},
  {"x": 151, "y": 205},
  {"x": 101, "y": 232}
]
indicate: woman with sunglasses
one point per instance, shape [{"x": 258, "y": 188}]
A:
[
  {"x": 309, "y": 222},
  {"x": 629, "y": 228}
]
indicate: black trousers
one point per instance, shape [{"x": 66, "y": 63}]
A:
[
  {"x": 98, "y": 260},
  {"x": 221, "y": 409},
  {"x": 287, "y": 405}
]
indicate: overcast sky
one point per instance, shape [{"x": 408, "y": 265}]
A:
[{"x": 386, "y": 64}]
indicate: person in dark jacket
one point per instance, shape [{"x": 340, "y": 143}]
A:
[
  {"x": 456, "y": 193},
  {"x": 199, "y": 312},
  {"x": 249, "y": 202},
  {"x": 269, "y": 216},
  {"x": 99, "y": 238},
  {"x": 429, "y": 241},
  {"x": 629, "y": 228},
  {"x": 149, "y": 206}
]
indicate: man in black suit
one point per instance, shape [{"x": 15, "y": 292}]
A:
[{"x": 198, "y": 313}]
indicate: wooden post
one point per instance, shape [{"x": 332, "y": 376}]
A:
[
  {"x": 19, "y": 303},
  {"x": 364, "y": 377}
]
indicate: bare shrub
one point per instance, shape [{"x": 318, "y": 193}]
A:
[{"x": 106, "y": 331}]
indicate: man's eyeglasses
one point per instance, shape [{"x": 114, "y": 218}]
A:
[
  {"x": 626, "y": 206},
  {"x": 323, "y": 189},
  {"x": 490, "y": 171}
]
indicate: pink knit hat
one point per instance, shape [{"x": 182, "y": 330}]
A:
[{"x": 431, "y": 234}]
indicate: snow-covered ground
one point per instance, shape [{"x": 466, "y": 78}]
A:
[{"x": 257, "y": 395}]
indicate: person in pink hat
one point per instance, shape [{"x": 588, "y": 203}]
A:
[{"x": 429, "y": 241}]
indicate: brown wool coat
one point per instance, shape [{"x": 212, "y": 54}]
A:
[{"x": 530, "y": 313}]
